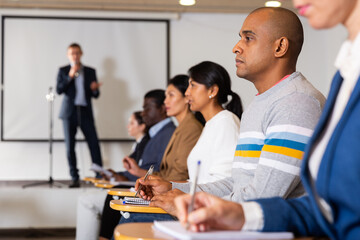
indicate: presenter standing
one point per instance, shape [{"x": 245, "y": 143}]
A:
[{"x": 79, "y": 84}]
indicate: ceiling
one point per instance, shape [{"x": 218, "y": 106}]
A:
[{"x": 208, "y": 6}]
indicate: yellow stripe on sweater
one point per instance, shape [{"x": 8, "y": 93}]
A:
[
  {"x": 241, "y": 153},
  {"x": 284, "y": 151}
]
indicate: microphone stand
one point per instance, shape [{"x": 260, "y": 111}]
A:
[{"x": 50, "y": 97}]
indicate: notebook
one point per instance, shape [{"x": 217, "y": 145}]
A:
[
  {"x": 176, "y": 230},
  {"x": 135, "y": 200}
]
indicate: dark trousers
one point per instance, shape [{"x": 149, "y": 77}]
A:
[{"x": 81, "y": 118}]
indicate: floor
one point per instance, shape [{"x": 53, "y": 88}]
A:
[
  {"x": 44, "y": 234},
  {"x": 24, "y": 218},
  {"x": 43, "y": 238}
]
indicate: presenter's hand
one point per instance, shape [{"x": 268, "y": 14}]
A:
[
  {"x": 166, "y": 201},
  {"x": 74, "y": 69},
  {"x": 210, "y": 213},
  {"x": 152, "y": 186},
  {"x": 95, "y": 85}
]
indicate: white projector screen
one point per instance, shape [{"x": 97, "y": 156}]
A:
[{"x": 130, "y": 56}]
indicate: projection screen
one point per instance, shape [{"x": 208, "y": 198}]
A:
[{"x": 131, "y": 57}]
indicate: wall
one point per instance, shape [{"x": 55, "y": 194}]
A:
[{"x": 194, "y": 38}]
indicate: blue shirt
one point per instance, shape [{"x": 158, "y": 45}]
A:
[
  {"x": 80, "y": 99},
  {"x": 157, "y": 127}
]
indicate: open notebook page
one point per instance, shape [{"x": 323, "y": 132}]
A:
[{"x": 175, "y": 229}]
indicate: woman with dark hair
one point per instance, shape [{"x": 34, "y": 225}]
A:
[
  {"x": 137, "y": 129},
  {"x": 173, "y": 165},
  {"x": 174, "y": 162},
  {"x": 91, "y": 204},
  {"x": 209, "y": 92}
]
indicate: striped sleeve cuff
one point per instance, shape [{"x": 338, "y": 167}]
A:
[{"x": 254, "y": 216}]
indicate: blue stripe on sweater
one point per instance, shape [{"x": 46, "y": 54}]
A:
[
  {"x": 249, "y": 147},
  {"x": 286, "y": 143},
  {"x": 288, "y": 136}
]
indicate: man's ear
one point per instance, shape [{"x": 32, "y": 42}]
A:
[{"x": 281, "y": 47}]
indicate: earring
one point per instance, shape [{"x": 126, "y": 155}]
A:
[{"x": 210, "y": 96}]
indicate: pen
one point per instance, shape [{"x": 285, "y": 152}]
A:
[
  {"x": 192, "y": 193},
  {"x": 149, "y": 172}
]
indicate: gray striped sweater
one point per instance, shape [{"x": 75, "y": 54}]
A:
[{"x": 273, "y": 133}]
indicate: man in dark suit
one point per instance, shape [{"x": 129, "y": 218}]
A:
[{"x": 79, "y": 85}]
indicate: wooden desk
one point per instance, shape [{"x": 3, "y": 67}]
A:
[
  {"x": 145, "y": 231},
  {"x": 108, "y": 184},
  {"x": 119, "y": 206},
  {"x": 104, "y": 184},
  {"x": 91, "y": 179},
  {"x": 121, "y": 192},
  {"x": 139, "y": 231}
]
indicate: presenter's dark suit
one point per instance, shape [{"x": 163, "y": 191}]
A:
[{"x": 75, "y": 116}]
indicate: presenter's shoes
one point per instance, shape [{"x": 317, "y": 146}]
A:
[{"x": 74, "y": 184}]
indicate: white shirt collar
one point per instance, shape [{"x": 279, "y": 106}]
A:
[{"x": 348, "y": 60}]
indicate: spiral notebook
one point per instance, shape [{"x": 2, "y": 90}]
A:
[{"x": 135, "y": 200}]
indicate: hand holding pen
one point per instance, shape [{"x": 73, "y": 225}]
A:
[
  {"x": 149, "y": 172},
  {"x": 152, "y": 186},
  {"x": 210, "y": 213}
]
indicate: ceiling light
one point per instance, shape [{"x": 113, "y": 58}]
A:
[
  {"x": 187, "y": 2},
  {"x": 272, "y": 4}
]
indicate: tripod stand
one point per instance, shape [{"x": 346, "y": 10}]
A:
[{"x": 50, "y": 97}]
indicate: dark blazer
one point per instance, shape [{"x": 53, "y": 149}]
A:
[
  {"x": 338, "y": 179},
  {"x": 139, "y": 149},
  {"x": 67, "y": 86},
  {"x": 154, "y": 150}
]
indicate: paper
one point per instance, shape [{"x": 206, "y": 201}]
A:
[
  {"x": 135, "y": 200},
  {"x": 99, "y": 169},
  {"x": 175, "y": 229}
]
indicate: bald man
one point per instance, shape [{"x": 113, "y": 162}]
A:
[
  {"x": 330, "y": 171},
  {"x": 276, "y": 125}
]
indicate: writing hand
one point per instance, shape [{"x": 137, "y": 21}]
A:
[
  {"x": 153, "y": 185},
  {"x": 210, "y": 213}
]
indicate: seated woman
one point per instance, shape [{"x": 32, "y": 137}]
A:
[
  {"x": 90, "y": 205},
  {"x": 173, "y": 164},
  {"x": 209, "y": 89},
  {"x": 208, "y": 92},
  {"x": 87, "y": 216},
  {"x": 137, "y": 129}
]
